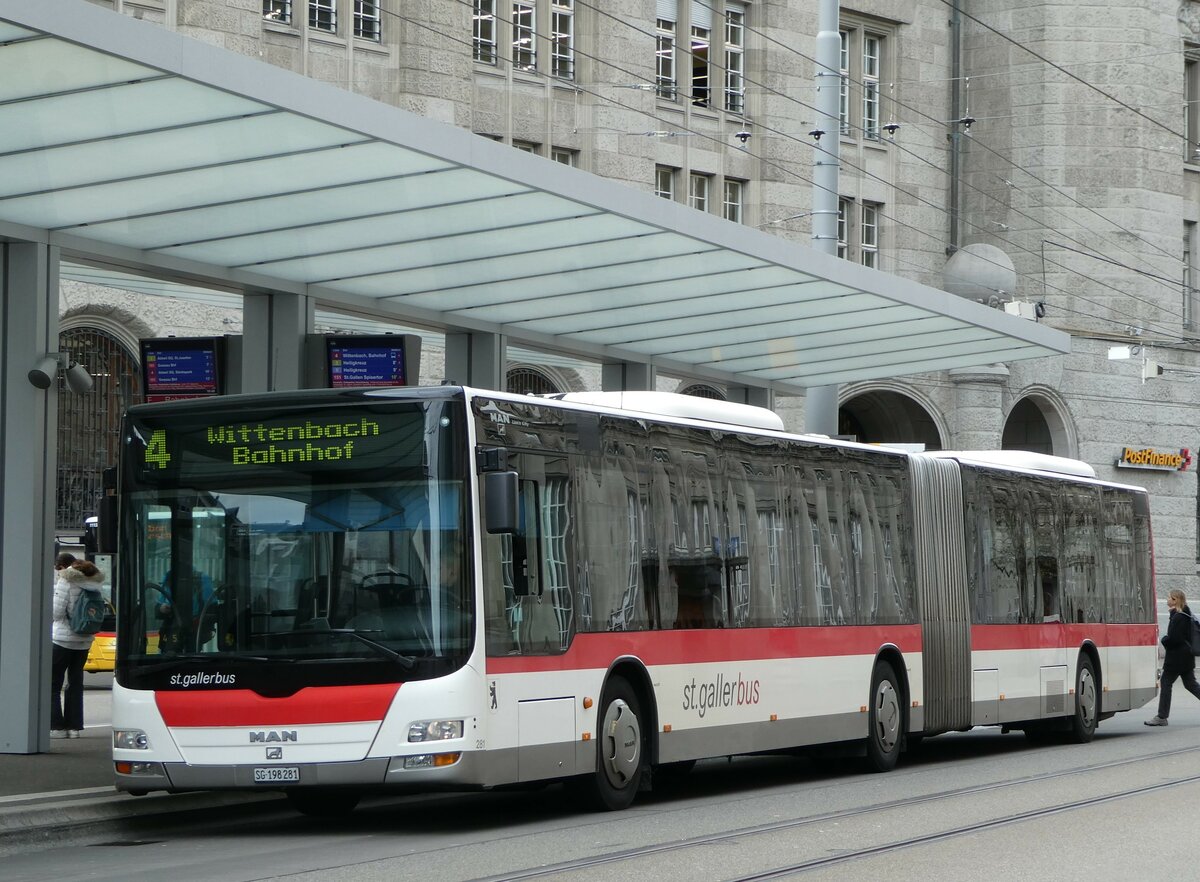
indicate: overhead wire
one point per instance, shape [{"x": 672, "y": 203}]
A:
[{"x": 766, "y": 161}]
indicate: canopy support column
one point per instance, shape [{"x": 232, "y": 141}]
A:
[
  {"x": 759, "y": 396},
  {"x": 627, "y": 376},
  {"x": 275, "y": 328},
  {"x": 477, "y": 359},
  {"x": 28, "y": 461}
]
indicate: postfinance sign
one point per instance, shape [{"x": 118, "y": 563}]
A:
[{"x": 1157, "y": 460}]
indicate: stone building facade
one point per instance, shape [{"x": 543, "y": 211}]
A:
[{"x": 1057, "y": 146}]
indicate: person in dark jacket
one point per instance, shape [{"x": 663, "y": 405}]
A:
[{"x": 1179, "y": 663}]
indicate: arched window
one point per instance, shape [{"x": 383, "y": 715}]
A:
[
  {"x": 89, "y": 425},
  {"x": 530, "y": 381},
  {"x": 702, "y": 390}
]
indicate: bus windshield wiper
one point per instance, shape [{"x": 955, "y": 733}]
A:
[{"x": 407, "y": 662}]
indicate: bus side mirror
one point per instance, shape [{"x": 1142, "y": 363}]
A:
[
  {"x": 106, "y": 528},
  {"x": 501, "y": 510}
]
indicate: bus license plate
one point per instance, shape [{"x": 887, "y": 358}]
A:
[{"x": 276, "y": 774}]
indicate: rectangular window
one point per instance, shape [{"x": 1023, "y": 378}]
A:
[
  {"x": 843, "y": 246},
  {"x": 484, "y": 31},
  {"x": 524, "y": 49},
  {"x": 278, "y": 10},
  {"x": 870, "y": 85},
  {"x": 731, "y": 208},
  {"x": 735, "y": 58},
  {"x": 698, "y": 191},
  {"x": 844, "y": 86},
  {"x": 322, "y": 15},
  {"x": 701, "y": 39},
  {"x": 366, "y": 20},
  {"x": 526, "y": 146},
  {"x": 565, "y": 156},
  {"x": 562, "y": 39},
  {"x": 869, "y": 236},
  {"x": 1189, "y": 275},
  {"x": 665, "y": 60},
  {"x": 1191, "y": 94},
  {"x": 664, "y": 182}
]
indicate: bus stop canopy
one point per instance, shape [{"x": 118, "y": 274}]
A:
[{"x": 125, "y": 143}]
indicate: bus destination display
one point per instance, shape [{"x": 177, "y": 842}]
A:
[{"x": 371, "y": 361}]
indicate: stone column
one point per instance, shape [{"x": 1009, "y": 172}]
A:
[{"x": 979, "y": 407}]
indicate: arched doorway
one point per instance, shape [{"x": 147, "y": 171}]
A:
[
  {"x": 1028, "y": 429},
  {"x": 885, "y": 416},
  {"x": 89, "y": 425}
]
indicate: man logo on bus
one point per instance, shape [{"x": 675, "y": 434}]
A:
[{"x": 266, "y": 737}]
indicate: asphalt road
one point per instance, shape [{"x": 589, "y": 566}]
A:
[{"x": 963, "y": 806}]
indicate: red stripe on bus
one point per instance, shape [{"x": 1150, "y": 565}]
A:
[
  {"x": 1053, "y": 635},
  {"x": 241, "y": 707},
  {"x": 717, "y": 645}
]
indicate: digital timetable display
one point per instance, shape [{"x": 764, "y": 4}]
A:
[
  {"x": 362, "y": 361},
  {"x": 180, "y": 367}
]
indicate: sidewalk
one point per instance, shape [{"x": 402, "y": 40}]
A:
[{"x": 72, "y": 786}]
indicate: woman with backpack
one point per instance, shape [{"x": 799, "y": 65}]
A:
[
  {"x": 1180, "y": 661},
  {"x": 70, "y": 650}
]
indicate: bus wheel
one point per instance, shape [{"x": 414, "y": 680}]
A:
[
  {"x": 323, "y": 803},
  {"x": 620, "y": 748},
  {"x": 1087, "y": 703},
  {"x": 886, "y": 720}
]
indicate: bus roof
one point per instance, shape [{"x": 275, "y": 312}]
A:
[
  {"x": 1021, "y": 459},
  {"x": 671, "y": 404}
]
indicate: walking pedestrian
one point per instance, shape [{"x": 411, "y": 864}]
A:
[
  {"x": 1180, "y": 662},
  {"x": 70, "y": 650}
]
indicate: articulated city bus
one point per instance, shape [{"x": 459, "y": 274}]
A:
[{"x": 341, "y": 592}]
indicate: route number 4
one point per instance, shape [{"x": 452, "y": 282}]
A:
[{"x": 156, "y": 450}]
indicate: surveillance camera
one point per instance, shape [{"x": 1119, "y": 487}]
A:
[
  {"x": 742, "y": 136},
  {"x": 45, "y": 372},
  {"x": 79, "y": 380}
]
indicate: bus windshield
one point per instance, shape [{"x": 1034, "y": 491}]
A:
[{"x": 328, "y": 540}]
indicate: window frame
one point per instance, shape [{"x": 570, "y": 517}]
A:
[
  {"x": 278, "y": 11},
  {"x": 697, "y": 199},
  {"x": 524, "y": 59},
  {"x": 865, "y": 57},
  {"x": 733, "y": 209},
  {"x": 666, "y": 72},
  {"x": 322, "y": 16},
  {"x": 734, "y": 50},
  {"x": 485, "y": 44},
  {"x": 562, "y": 42},
  {"x": 667, "y": 174},
  {"x": 364, "y": 19}
]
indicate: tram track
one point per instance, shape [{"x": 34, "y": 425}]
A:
[{"x": 742, "y": 833}]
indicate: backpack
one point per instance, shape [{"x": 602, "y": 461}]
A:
[
  {"x": 88, "y": 613},
  {"x": 1194, "y": 633}
]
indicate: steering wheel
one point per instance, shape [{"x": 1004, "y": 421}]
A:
[{"x": 387, "y": 578}]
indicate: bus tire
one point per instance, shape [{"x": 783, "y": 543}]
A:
[
  {"x": 323, "y": 803},
  {"x": 1087, "y": 702},
  {"x": 621, "y": 747},
  {"x": 885, "y": 720}
]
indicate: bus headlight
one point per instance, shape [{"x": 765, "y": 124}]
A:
[
  {"x": 435, "y": 730},
  {"x": 130, "y": 739}
]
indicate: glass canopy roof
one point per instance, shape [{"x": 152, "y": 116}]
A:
[{"x": 121, "y": 140}]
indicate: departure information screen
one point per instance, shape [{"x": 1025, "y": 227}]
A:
[{"x": 366, "y": 361}]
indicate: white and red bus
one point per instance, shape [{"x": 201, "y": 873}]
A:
[{"x": 446, "y": 588}]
